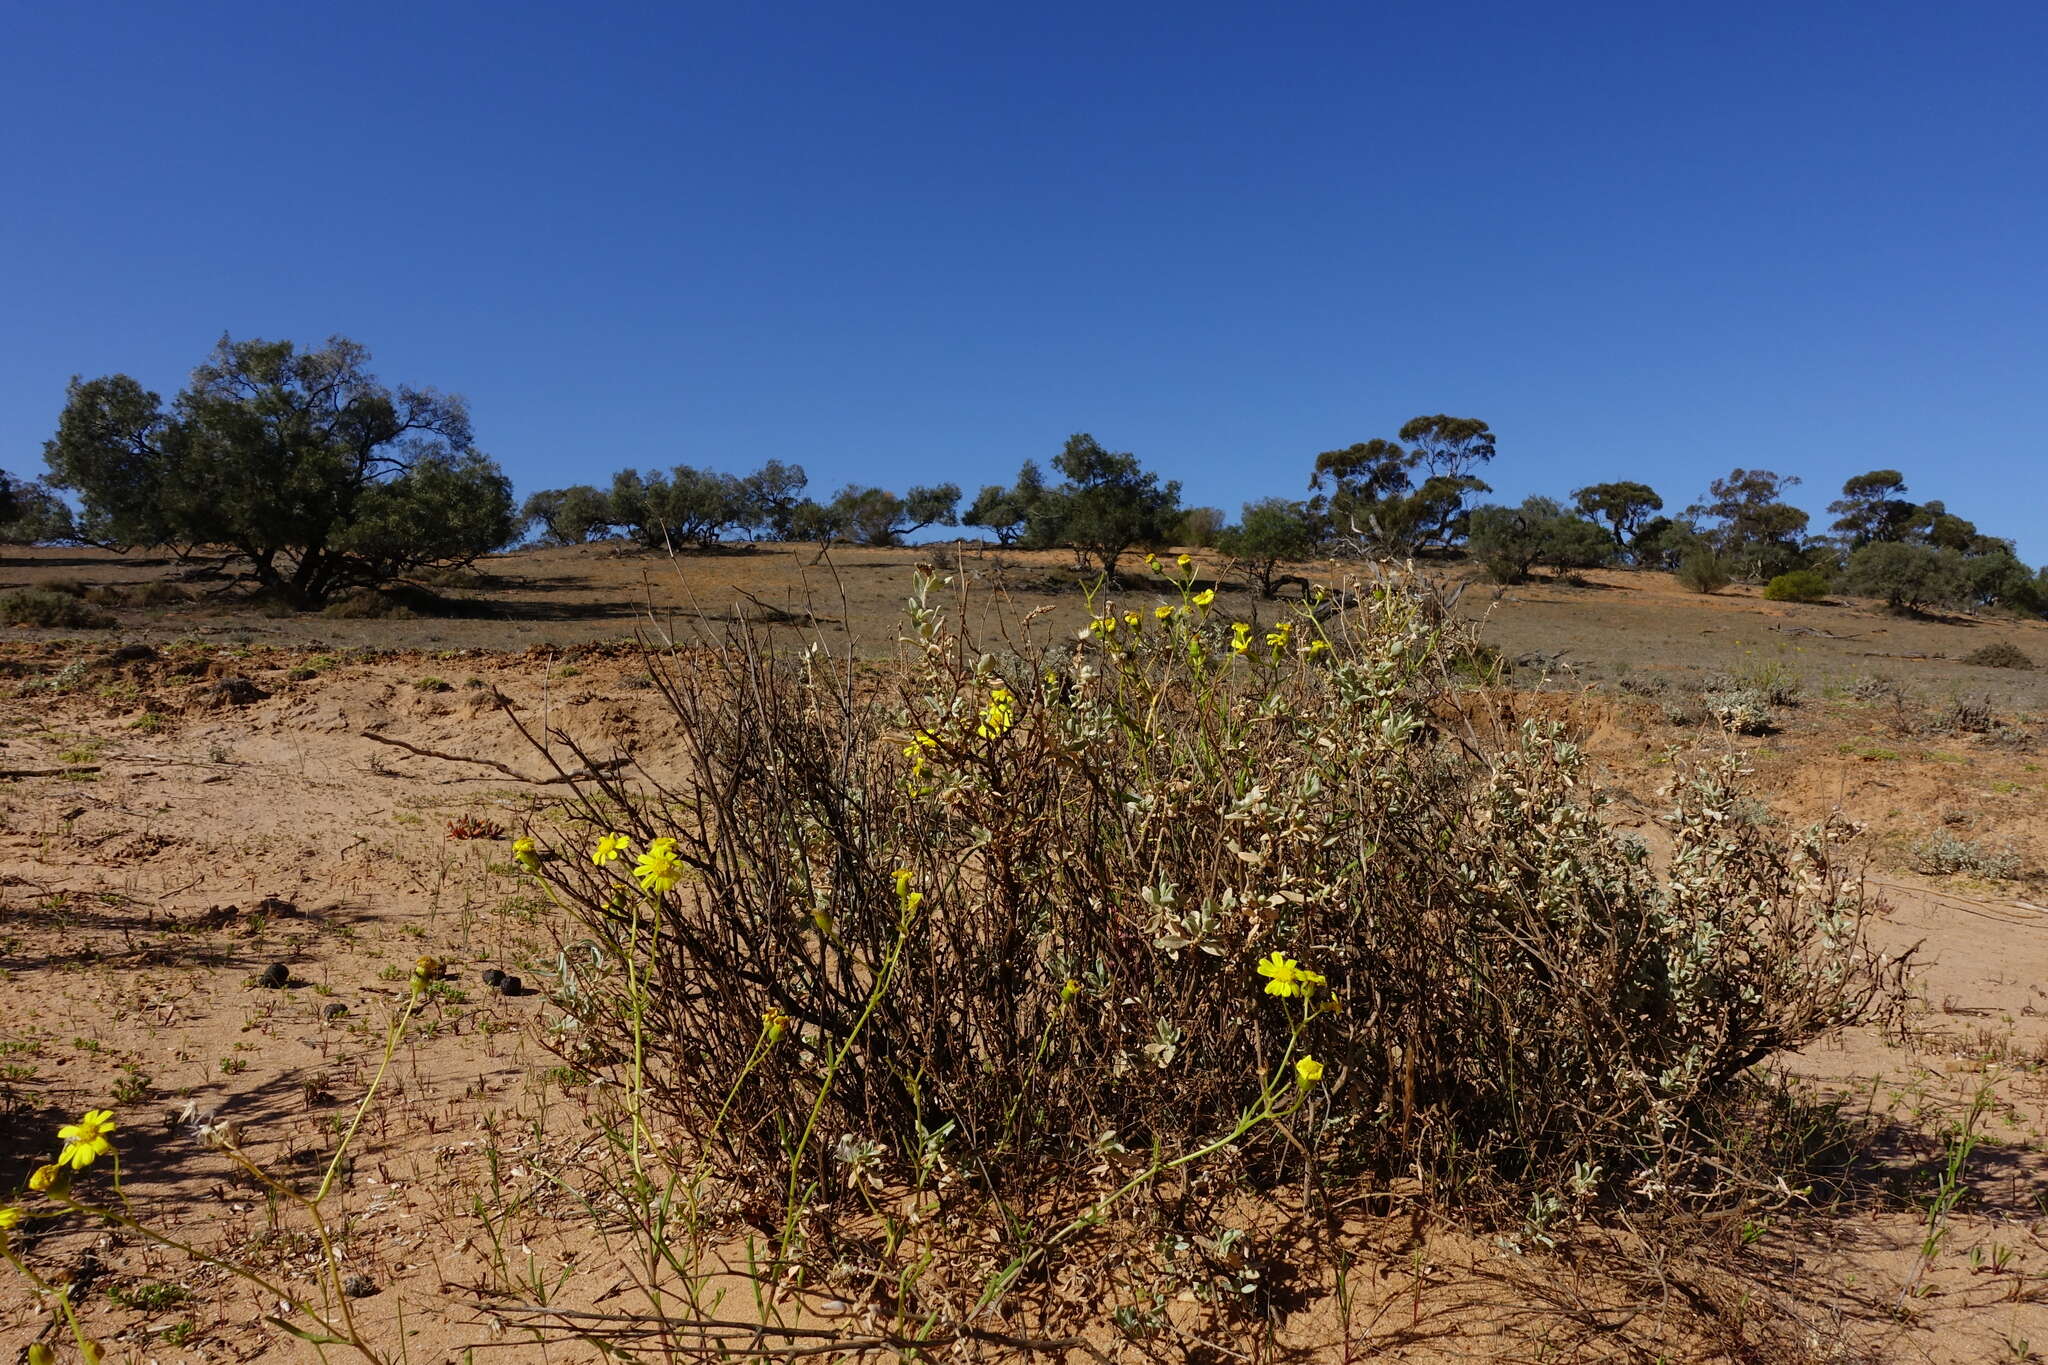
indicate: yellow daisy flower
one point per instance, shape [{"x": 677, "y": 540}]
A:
[
  {"x": 609, "y": 847},
  {"x": 86, "y": 1140},
  {"x": 1307, "y": 1072},
  {"x": 657, "y": 870}
]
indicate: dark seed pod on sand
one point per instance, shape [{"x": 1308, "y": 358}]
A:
[
  {"x": 509, "y": 985},
  {"x": 492, "y": 976},
  {"x": 274, "y": 976}
]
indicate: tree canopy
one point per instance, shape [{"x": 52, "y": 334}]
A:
[
  {"x": 298, "y": 459},
  {"x": 1108, "y": 504}
]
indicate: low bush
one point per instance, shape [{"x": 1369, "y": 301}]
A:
[
  {"x": 1943, "y": 854},
  {"x": 1739, "y": 710},
  {"x": 1801, "y": 585},
  {"x": 55, "y": 610},
  {"x": 1704, "y": 571},
  {"x": 1121, "y": 905},
  {"x": 1999, "y": 654}
]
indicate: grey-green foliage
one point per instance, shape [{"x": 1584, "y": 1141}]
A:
[
  {"x": 319, "y": 475},
  {"x": 1007, "y": 511},
  {"x": 1375, "y": 498},
  {"x": 1907, "y": 577},
  {"x": 1270, "y": 532},
  {"x": 1510, "y": 541},
  {"x": 1626, "y": 506},
  {"x": 1108, "y": 504},
  {"x": 686, "y": 506},
  {"x": 877, "y": 516},
  {"x": 568, "y": 516},
  {"x": 31, "y": 513}
]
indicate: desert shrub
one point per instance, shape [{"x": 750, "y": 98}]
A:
[
  {"x": 1801, "y": 585},
  {"x": 106, "y": 595},
  {"x": 1772, "y": 679},
  {"x": 1704, "y": 571},
  {"x": 160, "y": 593},
  {"x": 1971, "y": 715},
  {"x": 1999, "y": 654},
  {"x": 56, "y": 610},
  {"x": 368, "y": 604},
  {"x": 70, "y": 587},
  {"x": 1871, "y": 687},
  {"x": 1943, "y": 854},
  {"x": 1739, "y": 710},
  {"x": 979, "y": 909}
]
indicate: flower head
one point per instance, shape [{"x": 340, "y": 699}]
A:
[
  {"x": 86, "y": 1140},
  {"x": 1307, "y": 1072},
  {"x": 10, "y": 1217},
  {"x": 609, "y": 847},
  {"x": 774, "y": 1023},
  {"x": 1204, "y": 597},
  {"x": 657, "y": 870},
  {"x": 1285, "y": 976},
  {"x": 999, "y": 715},
  {"x": 1240, "y": 638},
  {"x": 1185, "y": 561},
  {"x": 1070, "y": 990},
  {"x": 526, "y": 853},
  {"x": 1164, "y": 611},
  {"x": 51, "y": 1179}
]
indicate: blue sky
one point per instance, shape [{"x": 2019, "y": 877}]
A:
[{"x": 919, "y": 242}]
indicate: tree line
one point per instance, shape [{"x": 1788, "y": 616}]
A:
[{"x": 321, "y": 478}]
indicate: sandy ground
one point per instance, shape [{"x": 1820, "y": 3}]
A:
[{"x": 196, "y": 831}]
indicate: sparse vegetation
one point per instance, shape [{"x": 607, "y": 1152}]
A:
[
  {"x": 52, "y": 610},
  {"x": 1999, "y": 654}
]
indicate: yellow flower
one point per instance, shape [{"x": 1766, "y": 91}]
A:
[
  {"x": 1070, "y": 990},
  {"x": 1204, "y": 597},
  {"x": 1285, "y": 976},
  {"x": 1240, "y": 638},
  {"x": 999, "y": 715},
  {"x": 1151, "y": 560},
  {"x": 48, "y": 1180},
  {"x": 773, "y": 1024},
  {"x": 1307, "y": 1072},
  {"x": 526, "y": 853},
  {"x": 1133, "y": 620},
  {"x": 902, "y": 880},
  {"x": 1316, "y": 647},
  {"x": 86, "y": 1140},
  {"x": 609, "y": 847},
  {"x": 10, "y": 1217},
  {"x": 657, "y": 870},
  {"x": 1277, "y": 636},
  {"x": 1163, "y": 611},
  {"x": 1185, "y": 561}
]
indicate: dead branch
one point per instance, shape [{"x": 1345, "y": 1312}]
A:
[{"x": 583, "y": 774}]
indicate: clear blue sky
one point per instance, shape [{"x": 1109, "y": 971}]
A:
[{"x": 915, "y": 242}]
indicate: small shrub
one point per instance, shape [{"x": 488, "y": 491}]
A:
[
  {"x": 1772, "y": 680},
  {"x": 1942, "y": 854},
  {"x": 70, "y": 587},
  {"x": 1801, "y": 585},
  {"x": 1970, "y": 715},
  {"x": 1999, "y": 655},
  {"x": 1871, "y": 687},
  {"x": 106, "y": 595},
  {"x": 1704, "y": 571},
  {"x": 53, "y": 609},
  {"x": 159, "y": 592},
  {"x": 984, "y": 905},
  {"x": 1739, "y": 710},
  {"x": 367, "y": 604},
  {"x": 434, "y": 685}
]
